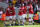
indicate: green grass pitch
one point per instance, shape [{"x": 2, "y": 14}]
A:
[
  {"x": 25, "y": 26},
  {"x": 2, "y": 25}
]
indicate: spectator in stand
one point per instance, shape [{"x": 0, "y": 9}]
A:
[
  {"x": 17, "y": 4},
  {"x": 33, "y": 4},
  {"x": 37, "y": 6},
  {"x": 14, "y": 2},
  {"x": 10, "y": 1},
  {"x": 6, "y": 1},
  {"x": 1, "y": 0},
  {"x": 35, "y": 9},
  {"x": 20, "y": 1},
  {"x": 25, "y": 1},
  {"x": 1, "y": 8}
]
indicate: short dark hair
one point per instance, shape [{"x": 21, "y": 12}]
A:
[
  {"x": 28, "y": 2},
  {"x": 24, "y": 4},
  {"x": 9, "y": 4}
]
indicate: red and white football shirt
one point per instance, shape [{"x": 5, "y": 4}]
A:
[
  {"x": 7, "y": 12},
  {"x": 25, "y": 10},
  {"x": 21, "y": 11},
  {"x": 12, "y": 10},
  {"x": 30, "y": 9}
]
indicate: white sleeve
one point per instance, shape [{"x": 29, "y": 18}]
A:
[
  {"x": 14, "y": 7},
  {"x": 1, "y": 12}
]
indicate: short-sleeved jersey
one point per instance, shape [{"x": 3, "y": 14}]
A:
[
  {"x": 12, "y": 11},
  {"x": 7, "y": 12},
  {"x": 21, "y": 11},
  {"x": 30, "y": 9},
  {"x": 25, "y": 10}
]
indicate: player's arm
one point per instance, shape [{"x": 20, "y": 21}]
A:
[
  {"x": 27, "y": 7},
  {"x": 31, "y": 8},
  {"x": 13, "y": 10},
  {"x": 8, "y": 10},
  {"x": 19, "y": 9}
]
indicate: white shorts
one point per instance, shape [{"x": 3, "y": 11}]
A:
[
  {"x": 30, "y": 19},
  {"x": 20, "y": 17},
  {"x": 8, "y": 17},
  {"x": 13, "y": 17},
  {"x": 24, "y": 15},
  {"x": 30, "y": 15}
]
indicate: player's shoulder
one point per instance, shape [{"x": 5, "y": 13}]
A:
[
  {"x": 19, "y": 7},
  {"x": 14, "y": 7},
  {"x": 30, "y": 5}
]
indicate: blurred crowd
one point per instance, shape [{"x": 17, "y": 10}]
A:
[{"x": 35, "y": 3}]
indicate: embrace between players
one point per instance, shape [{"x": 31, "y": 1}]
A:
[{"x": 11, "y": 15}]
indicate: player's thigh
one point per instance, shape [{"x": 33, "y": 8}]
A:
[
  {"x": 10, "y": 17},
  {"x": 30, "y": 15},
  {"x": 23, "y": 20},
  {"x": 25, "y": 15},
  {"x": 20, "y": 17},
  {"x": 7, "y": 17},
  {"x": 14, "y": 17}
]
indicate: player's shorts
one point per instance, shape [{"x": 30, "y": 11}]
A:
[
  {"x": 30, "y": 15},
  {"x": 13, "y": 17},
  {"x": 30, "y": 19},
  {"x": 20, "y": 17},
  {"x": 8, "y": 17},
  {"x": 24, "y": 15}
]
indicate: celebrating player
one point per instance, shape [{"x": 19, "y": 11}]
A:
[
  {"x": 30, "y": 12},
  {"x": 20, "y": 14},
  {"x": 13, "y": 15},
  {"x": 24, "y": 13},
  {"x": 8, "y": 14}
]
